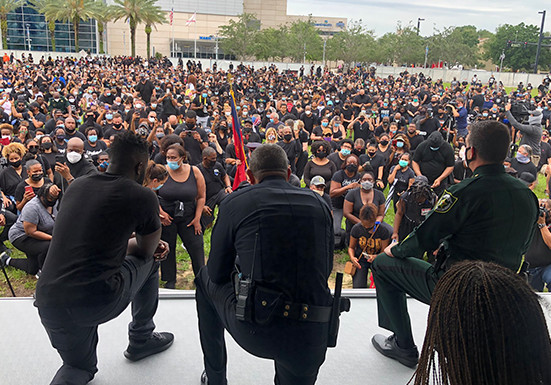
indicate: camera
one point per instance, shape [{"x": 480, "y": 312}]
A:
[{"x": 543, "y": 212}]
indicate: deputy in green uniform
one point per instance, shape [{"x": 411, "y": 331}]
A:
[{"x": 489, "y": 217}]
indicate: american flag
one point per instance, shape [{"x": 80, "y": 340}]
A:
[
  {"x": 171, "y": 16},
  {"x": 192, "y": 19}
]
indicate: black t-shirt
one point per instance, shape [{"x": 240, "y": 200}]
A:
[
  {"x": 193, "y": 146},
  {"x": 89, "y": 241},
  {"x": 433, "y": 163},
  {"x": 344, "y": 180},
  {"x": 20, "y": 189},
  {"x": 214, "y": 179},
  {"x": 372, "y": 242},
  {"x": 362, "y": 131},
  {"x": 545, "y": 154},
  {"x": 293, "y": 150},
  {"x": 93, "y": 152},
  {"x": 112, "y": 131},
  {"x": 355, "y": 197},
  {"x": 377, "y": 161},
  {"x": 415, "y": 141},
  {"x": 335, "y": 158},
  {"x": 461, "y": 172},
  {"x": 9, "y": 179},
  {"x": 524, "y": 167}
]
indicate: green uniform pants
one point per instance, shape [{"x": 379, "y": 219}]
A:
[{"x": 394, "y": 278}]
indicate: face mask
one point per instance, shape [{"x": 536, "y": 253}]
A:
[
  {"x": 271, "y": 120},
  {"x": 308, "y": 113},
  {"x": 403, "y": 163},
  {"x": 109, "y": 116},
  {"x": 271, "y": 137},
  {"x": 33, "y": 150},
  {"x": 47, "y": 145},
  {"x": 71, "y": 100},
  {"x": 37, "y": 177},
  {"x": 485, "y": 114},
  {"x": 173, "y": 165},
  {"x": 160, "y": 135},
  {"x": 158, "y": 187},
  {"x": 210, "y": 163},
  {"x": 435, "y": 148},
  {"x": 108, "y": 94},
  {"x": 138, "y": 106},
  {"x": 93, "y": 138},
  {"x": 345, "y": 152},
  {"x": 151, "y": 120},
  {"x": 245, "y": 113},
  {"x": 15, "y": 164},
  {"x": 288, "y": 137},
  {"x": 367, "y": 185},
  {"x": 352, "y": 168},
  {"x": 57, "y": 100},
  {"x": 37, "y": 137},
  {"x": 48, "y": 203},
  {"x": 117, "y": 125},
  {"x": 522, "y": 158},
  {"x": 204, "y": 95},
  {"x": 399, "y": 144},
  {"x": 321, "y": 154},
  {"x": 154, "y": 105},
  {"x": 384, "y": 142},
  {"x": 69, "y": 129},
  {"x": 74, "y": 157},
  {"x": 324, "y": 124}
]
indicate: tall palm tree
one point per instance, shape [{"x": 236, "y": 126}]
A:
[
  {"x": 103, "y": 14},
  {"x": 7, "y": 6},
  {"x": 152, "y": 17},
  {"x": 73, "y": 11},
  {"x": 135, "y": 12},
  {"x": 41, "y": 6}
]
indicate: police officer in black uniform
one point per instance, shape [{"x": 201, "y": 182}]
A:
[
  {"x": 278, "y": 239},
  {"x": 489, "y": 217}
]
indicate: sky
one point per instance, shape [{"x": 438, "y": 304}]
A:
[{"x": 383, "y": 16}]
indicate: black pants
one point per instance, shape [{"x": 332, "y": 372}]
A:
[
  {"x": 298, "y": 348},
  {"x": 359, "y": 280},
  {"x": 192, "y": 242},
  {"x": 73, "y": 331},
  {"x": 11, "y": 218},
  {"x": 36, "y": 251}
]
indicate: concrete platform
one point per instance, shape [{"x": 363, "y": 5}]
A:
[{"x": 26, "y": 356}]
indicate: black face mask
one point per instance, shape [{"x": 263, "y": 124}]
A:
[
  {"x": 15, "y": 164},
  {"x": 288, "y": 137},
  {"x": 37, "y": 177},
  {"x": 352, "y": 168},
  {"x": 209, "y": 163},
  {"x": 69, "y": 130},
  {"x": 372, "y": 153},
  {"x": 174, "y": 126},
  {"x": 117, "y": 125},
  {"x": 321, "y": 154},
  {"x": 33, "y": 150},
  {"x": 384, "y": 142},
  {"x": 190, "y": 126},
  {"x": 47, "y": 145}
]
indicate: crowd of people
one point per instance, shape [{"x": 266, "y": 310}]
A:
[{"x": 366, "y": 144}]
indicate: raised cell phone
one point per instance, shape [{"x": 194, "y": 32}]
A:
[
  {"x": 28, "y": 189},
  {"x": 60, "y": 159}
]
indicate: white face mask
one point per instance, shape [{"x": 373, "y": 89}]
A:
[
  {"x": 152, "y": 120},
  {"x": 74, "y": 157}
]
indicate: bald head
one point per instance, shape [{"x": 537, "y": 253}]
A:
[
  {"x": 172, "y": 120},
  {"x": 75, "y": 145}
]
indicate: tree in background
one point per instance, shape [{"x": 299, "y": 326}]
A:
[
  {"x": 103, "y": 14},
  {"x": 303, "y": 41},
  {"x": 135, "y": 12},
  {"x": 402, "y": 47},
  {"x": 454, "y": 45},
  {"x": 41, "y": 6},
  {"x": 239, "y": 35},
  {"x": 73, "y": 11},
  {"x": 7, "y": 6},
  {"x": 355, "y": 44},
  {"x": 269, "y": 44},
  {"x": 518, "y": 58},
  {"x": 152, "y": 17}
]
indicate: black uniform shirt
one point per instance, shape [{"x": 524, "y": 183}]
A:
[{"x": 287, "y": 231}]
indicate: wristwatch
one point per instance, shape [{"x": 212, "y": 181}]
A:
[{"x": 541, "y": 225}]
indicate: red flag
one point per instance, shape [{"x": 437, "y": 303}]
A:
[
  {"x": 240, "y": 173},
  {"x": 171, "y": 16}
]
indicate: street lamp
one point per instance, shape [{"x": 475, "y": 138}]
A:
[
  {"x": 419, "y": 20},
  {"x": 542, "y": 13}
]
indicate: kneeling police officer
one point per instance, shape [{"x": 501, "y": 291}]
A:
[{"x": 266, "y": 278}]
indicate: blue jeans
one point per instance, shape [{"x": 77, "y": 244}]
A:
[{"x": 540, "y": 276}]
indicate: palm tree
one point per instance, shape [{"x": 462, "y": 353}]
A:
[
  {"x": 135, "y": 12},
  {"x": 72, "y": 11},
  {"x": 41, "y": 6},
  {"x": 7, "y": 6},
  {"x": 152, "y": 17},
  {"x": 103, "y": 15}
]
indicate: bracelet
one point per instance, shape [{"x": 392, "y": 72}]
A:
[
  {"x": 541, "y": 225},
  {"x": 70, "y": 180}
]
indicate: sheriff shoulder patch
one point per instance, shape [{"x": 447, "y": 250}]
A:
[{"x": 445, "y": 203}]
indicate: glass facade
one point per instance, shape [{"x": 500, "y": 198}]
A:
[
  {"x": 205, "y": 50},
  {"x": 28, "y": 30}
]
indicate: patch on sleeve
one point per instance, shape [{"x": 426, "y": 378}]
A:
[{"x": 445, "y": 203}]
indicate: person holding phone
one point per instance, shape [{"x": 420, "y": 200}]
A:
[{"x": 28, "y": 188}]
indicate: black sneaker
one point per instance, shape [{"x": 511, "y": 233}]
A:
[
  {"x": 156, "y": 344},
  {"x": 387, "y": 346}
]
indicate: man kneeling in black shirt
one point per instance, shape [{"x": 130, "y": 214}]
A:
[{"x": 94, "y": 269}]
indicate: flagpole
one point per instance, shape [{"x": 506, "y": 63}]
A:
[
  {"x": 172, "y": 28},
  {"x": 195, "y": 37}
]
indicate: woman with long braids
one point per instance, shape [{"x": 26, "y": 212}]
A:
[{"x": 485, "y": 326}]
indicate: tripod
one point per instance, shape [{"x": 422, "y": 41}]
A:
[{"x": 6, "y": 274}]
